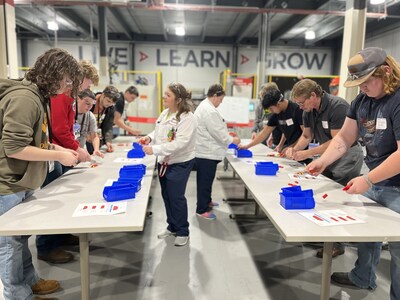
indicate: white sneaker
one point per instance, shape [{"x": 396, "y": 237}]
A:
[
  {"x": 166, "y": 234},
  {"x": 181, "y": 240}
]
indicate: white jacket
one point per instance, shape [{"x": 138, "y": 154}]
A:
[
  {"x": 181, "y": 147},
  {"x": 212, "y": 138}
]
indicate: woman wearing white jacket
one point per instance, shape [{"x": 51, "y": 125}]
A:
[
  {"x": 173, "y": 141},
  {"x": 212, "y": 141}
]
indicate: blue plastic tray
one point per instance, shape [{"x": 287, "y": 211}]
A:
[
  {"x": 295, "y": 198},
  {"x": 232, "y": 146},
  {"x": 134, "y": 171},
  {"x": 121, "y": 192},
  {"x": 122, "y": 181},
  {"x": 243, "y": 153},
  {"x": 266, "y": 168}
]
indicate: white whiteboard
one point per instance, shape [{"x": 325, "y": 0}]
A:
[{"x": 235, "y": 109}]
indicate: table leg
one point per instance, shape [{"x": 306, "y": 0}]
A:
[
  {"x": 326, "y": 270},
  {"x": 84, "y": 261}
]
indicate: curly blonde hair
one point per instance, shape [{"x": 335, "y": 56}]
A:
[{"x": 89, "y": 71}]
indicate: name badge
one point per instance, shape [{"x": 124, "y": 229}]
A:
[
  {"x": 76, "y": 129},
  {"x": 289, "y": 122},
  {"x": 325, "y": 125},
  {"x": 381, "y": 123}
]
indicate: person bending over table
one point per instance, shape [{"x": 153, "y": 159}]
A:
[
  {"x": 374, "y": 116},
  {"x": 26, "y": 156},
  {"x": 323, "y": 117},
  {"x": 286, "y": 115}
]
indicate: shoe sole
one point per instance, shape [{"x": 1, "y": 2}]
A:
[
  {"x": 161, "y": 237},
  {"x": 47, "y": 292},
  {"x": 199, "y": 215},
  {"x": 55, "y": 262},
  {"x": 180, "y": 245}
]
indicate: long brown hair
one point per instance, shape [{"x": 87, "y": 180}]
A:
[
  {"x": 49, "y": 71},
  {"x": 182, "y": 98},
  {"x": 391, "y": 81}
]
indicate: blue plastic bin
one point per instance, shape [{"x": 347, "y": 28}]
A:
[
  {"x": 137, "y": 184},
  {"x": 266, "y": 168},
  {"x": 243, "y": 153},
  {"x": 134, "y": 171},
  {"x": 120, "y": 192},
  {"x": 136, "y": 152},
  {"x": 295, "y": 198},
  {"x": 232, "y": 146}
]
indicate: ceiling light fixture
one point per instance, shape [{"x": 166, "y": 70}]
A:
[
  {"x": 180, "y": 31},
  {"x": 377, "y": 2},
  {"x": 52, "y": 25},
  {"x": 310, "y": 35}
]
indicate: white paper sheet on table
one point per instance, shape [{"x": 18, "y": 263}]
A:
[
  {"x": 305, "y": 176},
  {"x": 331, "y": 217},
  {"x": 99, "y": 209},
  {"x": 133, "y": 161}
]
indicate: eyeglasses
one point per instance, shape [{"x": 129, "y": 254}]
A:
[{"x": 301, "y": 103}]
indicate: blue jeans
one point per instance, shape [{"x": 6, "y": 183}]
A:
[
  {"x": 17, "y": 272},
  {"x": 173, "y": 187},
  {"x": 363, "y": 274}
]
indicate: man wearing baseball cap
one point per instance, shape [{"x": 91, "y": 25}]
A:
[{"x": 374, "y": 115}]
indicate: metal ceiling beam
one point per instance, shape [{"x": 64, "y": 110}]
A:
[
  {"x": 68, "y": 13},
  {"x": 245, "y": 27},
  {"x": 204, "y": 27},
  {"x": 133, "y": 22},
  {"x": 32, "y": 28},
  {"x": 164, "y": 25},
  {"x": 125, "y": 27},
  {"x": 328, "y": 30},
  {"x": 195, "y": 7},
  {"x": 293, "y": 21}
]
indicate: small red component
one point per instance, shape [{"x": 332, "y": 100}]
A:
[
  {"x": 346, "y": 187},
  {"x": 324, "y": 196},
  {"x": 291, "y": 184}
]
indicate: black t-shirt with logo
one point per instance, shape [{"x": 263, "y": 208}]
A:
[
  {"x": 378, "y": 124},
  {"x": 289, "y": 122}
]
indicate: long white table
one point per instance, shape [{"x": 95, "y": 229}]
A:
[
  {"x": 49, "y": 210},
  {"x": 382, "y": 224}
]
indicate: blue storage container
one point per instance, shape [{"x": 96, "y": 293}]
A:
[
  {"x": 295, "y": 198},
  {"x": 120, "y": 192},
  {"x": 243, "y": 153},
  {"x": 133, "y": 170},
  {"x": 137, "y": 184},
  {"x": 136, "y": 152},
  {"x": 266, "y": 168},
  {"x": 232, "y": 146}
]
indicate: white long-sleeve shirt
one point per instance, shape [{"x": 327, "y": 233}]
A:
[
  {"x": 172, "y": 141},
  {"x": 212, "y": 138}
]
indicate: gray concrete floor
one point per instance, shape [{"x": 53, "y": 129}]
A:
[{"x": 226, "y": 259}]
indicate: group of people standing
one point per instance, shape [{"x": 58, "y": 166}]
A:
[{"x": 31, "y": 140}]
